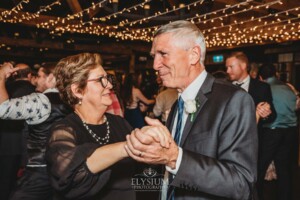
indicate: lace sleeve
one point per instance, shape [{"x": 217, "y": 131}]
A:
[{"x": 66, "y": 159}]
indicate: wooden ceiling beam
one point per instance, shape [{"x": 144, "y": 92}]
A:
[
  {"x": 74, "y": 6},
  {"x": 174, "y": 3}
]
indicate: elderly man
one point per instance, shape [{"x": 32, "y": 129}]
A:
[{"x": 214, "y": 151}]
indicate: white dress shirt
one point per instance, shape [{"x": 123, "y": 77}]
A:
[{"x": 245, "y": 83}]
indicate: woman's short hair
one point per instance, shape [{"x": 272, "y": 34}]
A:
[
  {"x": 186, "y": 34},
  {"x": 74, "y": 70}
]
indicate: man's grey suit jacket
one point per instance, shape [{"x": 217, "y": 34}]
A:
[{"x": 219, "y": 147}]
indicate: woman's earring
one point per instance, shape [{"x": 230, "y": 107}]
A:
[{"x": 79, "y": 102}]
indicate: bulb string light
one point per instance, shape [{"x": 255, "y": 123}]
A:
[
  {"x": 153, "y": 28},
  {"x": 258, "y": 37},
  {"x": 15, "y": 9},
  {"x": 239, "y": 12},
  {"x": 52, "y": 23},
  {"x": 157, "y": 14},
  {"x": 259, "y": 19},
  {"x": 26, "y": 16},
  {"x": 278, "y": 26},
  {"x": 114, "y": 15}
]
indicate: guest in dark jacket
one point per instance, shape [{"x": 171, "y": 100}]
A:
[
  {"x": 39, "y": 110},
  {"x": 12, "y": 137}
]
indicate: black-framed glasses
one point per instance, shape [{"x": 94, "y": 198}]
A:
[{"x": 103, "y": 80}]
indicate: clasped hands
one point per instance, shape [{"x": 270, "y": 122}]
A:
[
  {"x": 263, "y": 110},
  {"x": 152, "y": 144}
]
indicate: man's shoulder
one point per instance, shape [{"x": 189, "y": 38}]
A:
[
  {"x": 259, "y": 83},
  {"x": 224, "y": 85},
  {"x": 223, "y": 90}
]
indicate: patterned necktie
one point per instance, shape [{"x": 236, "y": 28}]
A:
[
  {"x": 171, "y": 189},
  {"x": 179, "y": 120}
]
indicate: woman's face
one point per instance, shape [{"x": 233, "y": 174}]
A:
[{"x": 95, "y": 95}]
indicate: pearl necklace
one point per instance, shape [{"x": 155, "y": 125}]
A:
[{"x": 100, "y": 140}]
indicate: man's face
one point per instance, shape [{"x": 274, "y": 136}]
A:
[
  {"x": 235, "y": 69},
  {"x": 170, "y": 60},
  {"x": 41, "y": 83}
]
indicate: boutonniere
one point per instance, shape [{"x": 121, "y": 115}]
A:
[{"x": 191, "y": 106}]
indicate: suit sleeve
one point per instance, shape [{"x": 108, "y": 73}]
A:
[{"x": 231, "y": 171}]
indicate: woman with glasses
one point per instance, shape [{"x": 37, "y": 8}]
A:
[{"x": 85, "y": 154}]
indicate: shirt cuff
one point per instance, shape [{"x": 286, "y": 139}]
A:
[{"x": 178, "y": 162}]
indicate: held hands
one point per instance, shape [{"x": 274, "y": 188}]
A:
[
  {"x": 263, "y": 110},
  {"x": 152, "y": 144}
]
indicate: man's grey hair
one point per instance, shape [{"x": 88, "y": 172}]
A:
[{"x": 186, "y": 34}]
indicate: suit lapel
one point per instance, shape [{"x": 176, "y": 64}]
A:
[
  {"x": 201, "y": 98},
  {"x": 251, "y": 86}
]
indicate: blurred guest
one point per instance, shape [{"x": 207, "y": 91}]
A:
[
  {"x": 131, "y": 96},
  {"x": 12, "y": 140},
  {"x": 253, "y": 70},
  {"x": 116, "y": 107},
  {"x": 39, "y": 110},
  {"x": 237, "y": 65},
  {"x": 86, "y": 149},
  {"x": 164, "y": 102},
  {"x": 34, "y": 78},
  {"x": 279, "y": 136},
  {"x": 159, "y": 82}
]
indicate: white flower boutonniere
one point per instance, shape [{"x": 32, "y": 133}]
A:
[{"x": 191, "y": 107}]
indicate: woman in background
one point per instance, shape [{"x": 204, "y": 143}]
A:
[{"x": 131, "y": 96}]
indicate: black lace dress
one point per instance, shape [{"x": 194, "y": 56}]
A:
[{"x": 68, "y": 148}]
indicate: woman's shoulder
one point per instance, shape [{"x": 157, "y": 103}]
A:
[{"x": 68, "y": 121}]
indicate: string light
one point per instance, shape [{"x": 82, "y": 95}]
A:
[
  {"x": 125, "y": 10},
  {"x": 279, "y": 26},
  {"x": 157, "y": 14},
  {"x": 51, "y": 23},
  {"x": 26, "y": 16}
]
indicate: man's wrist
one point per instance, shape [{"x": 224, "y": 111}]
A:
[{"x": 173, "y": 158}]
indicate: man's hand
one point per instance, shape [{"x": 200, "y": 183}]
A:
[
  {"x": 263, "y": 110},
  {"x": 6, "y": 70},
  {"x": 153, "y": 144}
]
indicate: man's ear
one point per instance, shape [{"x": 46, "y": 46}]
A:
[
  {"x": 50, "y": 77},
  {"x": 76, "y": 91},
  {"x": 29, "y": 76},
  {"x": 243, "y": 65},
  {"x": 195, "y": 53}
]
